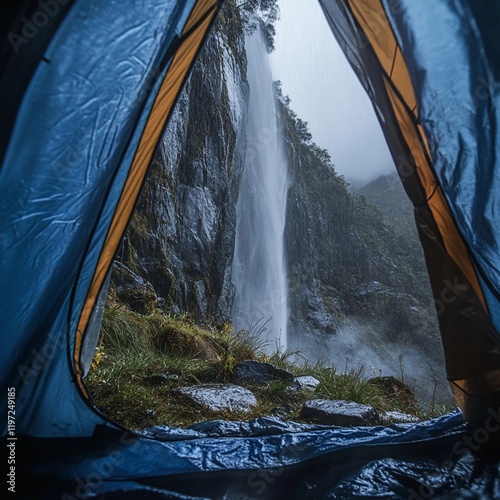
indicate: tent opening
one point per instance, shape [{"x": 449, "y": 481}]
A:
[{"x": 248, "y": 246}]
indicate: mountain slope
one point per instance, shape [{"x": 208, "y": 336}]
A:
[{"x": 387, "y": 194}]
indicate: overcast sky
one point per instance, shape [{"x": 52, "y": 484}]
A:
[{"x": 326, "y": 93}]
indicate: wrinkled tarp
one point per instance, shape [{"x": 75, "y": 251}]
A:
[{"x": 270, "y": 459}]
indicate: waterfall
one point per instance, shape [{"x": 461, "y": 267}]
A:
[{"x": 259, "y": 268}]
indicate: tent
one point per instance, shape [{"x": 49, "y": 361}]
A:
[{"x": 87, "y": 87}]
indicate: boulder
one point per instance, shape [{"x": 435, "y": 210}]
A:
[
  {"x": 220, "y": 397},
  {"x": 342, "y": 413},
  {"x": 306, "y": 382},
  {"x": 256, "y": 372},
  {"x": 134, "y": 291}
]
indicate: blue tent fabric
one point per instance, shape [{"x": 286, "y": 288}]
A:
[
  {"x": 377, "y": 462},
  {"x": 460, "y": 110},
  {"x": 94, "y": 87}
]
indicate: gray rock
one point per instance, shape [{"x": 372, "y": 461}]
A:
[
  {"x": 398, "y": 417},
  {"x": 201, "y": 298},
  {"x": 306, "y": 382},
  {"x": 342, "y": 413},
  {"x": 256, "y": 372},
  {"x": 133, "y": 290},
  {"x": 220, "y": 397},
  {"x": 182, "y": 236}
]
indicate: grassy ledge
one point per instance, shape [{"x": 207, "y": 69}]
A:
[{"x": 134, "y": 348}]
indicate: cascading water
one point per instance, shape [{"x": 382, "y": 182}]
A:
[{"x": 259, "y": 268}]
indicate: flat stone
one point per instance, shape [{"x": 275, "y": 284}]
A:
[
  {"x": 398, "y": 417},
  {"x": 341, "y": 413},
  {"x": 306, "y": 382},
  {"x": 220, "y": 397},
  {"x": 256, "y": 372}
]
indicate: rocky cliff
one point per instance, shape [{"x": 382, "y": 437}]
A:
[
  {"x": 181, "y": 237},
  {"x": 358, "y": 291}
]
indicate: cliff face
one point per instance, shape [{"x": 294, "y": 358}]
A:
[
  {"x": 356, "y": 289},
  {"x": 181, "y": 237}
]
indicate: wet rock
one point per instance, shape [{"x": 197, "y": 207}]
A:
[
  {"x": 256, "y": 372},
  {"x": 162, "y": 378},
  {"x": 306, "y": 382},
  {"x": 220, "y": 397},
  {"x": 201, "y": 298},
  {"x": 317, "y": 313},
  {"x": 398, "y": 417},
  {"x": 182, "y": 236},
  {"x": 342, "y": 413},
  {"x": 133, "y": 290}
]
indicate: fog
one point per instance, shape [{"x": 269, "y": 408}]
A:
[
  {"x": 357, "y": 347},
  {"x": 326, "y": 93}
]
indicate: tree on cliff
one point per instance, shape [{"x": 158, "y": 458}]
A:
[{"x": 263, "y": 12}]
